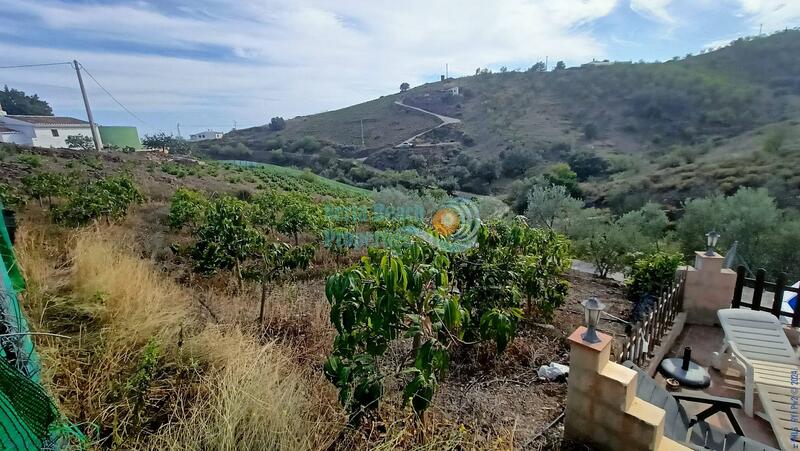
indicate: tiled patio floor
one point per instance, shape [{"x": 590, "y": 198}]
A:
[{"x": 704, "y": 340}]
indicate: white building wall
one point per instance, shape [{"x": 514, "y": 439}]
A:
[
  {"x": 44, "y": 135},
  {"x": 15, "y": 138}
]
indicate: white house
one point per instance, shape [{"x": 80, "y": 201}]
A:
[
  {"x": 453, "y": 91},
  {"x": 208, "y": 134},
  {"x": 40, "y": 131}
]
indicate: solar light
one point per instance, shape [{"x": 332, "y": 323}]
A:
[
  {"x": 592, "y": 309},
  {"x": 711, "y": 240}
]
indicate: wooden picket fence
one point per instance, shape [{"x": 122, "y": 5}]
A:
[{"x": 645, "y": 335}]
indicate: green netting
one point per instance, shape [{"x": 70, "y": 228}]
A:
[
  {"x": 26, "y": 411},
  {"x": 15, "y": 342},
  {"x": 28, "y": 417},
  {"x": 7, "y": 254}
]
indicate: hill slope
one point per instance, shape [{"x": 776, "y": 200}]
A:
[{"x": 661, "y": 126}]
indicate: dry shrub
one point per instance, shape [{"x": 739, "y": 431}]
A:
[{"x": 256, "y": 398}]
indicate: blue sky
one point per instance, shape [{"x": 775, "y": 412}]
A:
[{"x": 213, "y": 63}]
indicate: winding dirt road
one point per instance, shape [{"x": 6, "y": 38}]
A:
[{"x": 446, "y": 120}]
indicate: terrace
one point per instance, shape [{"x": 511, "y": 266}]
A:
[{"x": 611, "y": 406}]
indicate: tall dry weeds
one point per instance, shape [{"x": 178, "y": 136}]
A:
[
  {"x": 204, "y": 388},
  {"x": 257, "y": 399}
]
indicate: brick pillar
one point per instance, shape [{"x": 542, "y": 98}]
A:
[
  {"x": 602, "y": 407},
  {"x": 708, "y": 288}
]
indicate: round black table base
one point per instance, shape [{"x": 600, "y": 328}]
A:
[{"x": 695, "y": 377}]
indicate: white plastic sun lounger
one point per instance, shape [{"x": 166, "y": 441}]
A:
[{"x": 757, "y": 341}]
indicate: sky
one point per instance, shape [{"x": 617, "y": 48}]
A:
[{"x": 218, "y": 64}]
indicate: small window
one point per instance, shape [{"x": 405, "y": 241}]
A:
[{"x": 54, "y": 132}]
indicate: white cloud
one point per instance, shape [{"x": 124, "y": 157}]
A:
[
  {"x": 288, "y": 58},
  {"x": 653, "y": 9},
  {"x": 773, "y": 14}
]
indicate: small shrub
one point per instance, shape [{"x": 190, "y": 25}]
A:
[
  {"x": 107, "y": 198},
  {"x": 188, "y": 207},
  {"x": 31, "y": 160},
  {"x": 652, "y": 273}
]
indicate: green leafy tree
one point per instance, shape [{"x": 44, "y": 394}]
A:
[
  {"x": 277, "y": 259},
  {"x": 494, "y": 276},
  {"x": 387, "y": 296},
  {"x": 587, "y": 164},
  {"x": 538, "y": 67},
  {"x": 188, "y": 207},
  {"x": 108, "y": 198},
  {"x": 298, "y": 215},
  {"x": 652, "y": 273},
  {"x": 46, "y": 185},
  {"x": 9, "y": 196},
  {"x": 608, "y": 249},
  {"x": 562, "y": 174},
  {"x": 80, "y": 142},
  {"x": 590, "y": 131},
  {"x": 750, "y": 216},
  {"x": 166, "y": 142},
  {"x": 644, "y": 227},
  {"x": 560, "y": 66},
  {"x": 774, "y": 142},
  {"x": 277, "y": 123},
  {"x": 552, "y": 207},
  {"x": 404, "y": 87},
  {"x": 226, "y": 238},
  {"x": 545, "y": 260},
  {"x": 17, "y": 102}
]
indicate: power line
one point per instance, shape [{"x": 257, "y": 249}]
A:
[
  {"x": 33, "y": 65},
  {"x": 114, "y": 98}
]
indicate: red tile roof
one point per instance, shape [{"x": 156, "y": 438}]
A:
[{"x": 49, "y": 120}]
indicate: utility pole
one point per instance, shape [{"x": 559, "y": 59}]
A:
[
  {"x": 446, "y": 71},
  {"x": 760, "y": 28},
  {"x": 546, "y": 61},
  {"x": 234, "y": 125},
  {"x": 179, "y": 130},
  {"x": 97, "y": 144}
]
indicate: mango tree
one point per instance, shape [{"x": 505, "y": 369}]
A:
[
  {"x": 108, "y": 198},
  {"x": 298, "y": 215},
  {"x": 46, "y": 185},
  {"x": 277, "y": 259},
  {"x": 510, "y": 261},
  {"x": 188, "y": 208},
  {"x": 390, "y": 296},
  {"x": 226, "y": 238}
]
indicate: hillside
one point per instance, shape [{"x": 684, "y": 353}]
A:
[{"x": 680, "y": 128}]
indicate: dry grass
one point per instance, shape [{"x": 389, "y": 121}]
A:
[
  {"x": 210, "y": 388},
  {"x": 257, "y": 399}
]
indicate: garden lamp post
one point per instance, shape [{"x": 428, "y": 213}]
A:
[
  {"x": 591, "y": 310},
  {"x": 711, "y": 241}
]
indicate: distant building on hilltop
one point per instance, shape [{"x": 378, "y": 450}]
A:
[
  {"x": 208, "y": 134},
  {"x": 594, "y": 62},
  {"x": 40, "y": 131},
  {"x": 453, "y": 91}
]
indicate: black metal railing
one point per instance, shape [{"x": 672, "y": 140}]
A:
[{"x": 759, "y": 285}]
